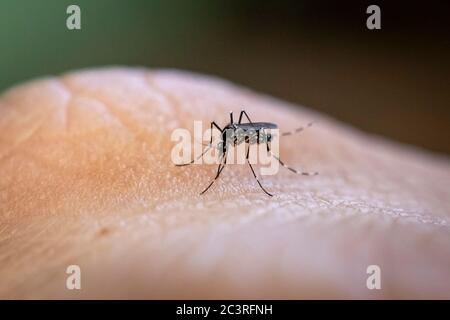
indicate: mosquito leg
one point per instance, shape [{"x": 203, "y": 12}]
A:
[
  {"x": 219, "y": 170},
  {"x": 193, "y": 160},
  {"x": 206, "y": 150},
  {"x": 246, "y": 115},
  {"x": 254, "y": 174},
  {"x": 231, "y": 117},
  {"x": 289, "y": 168},
  {"x": 218, "y": 128},
  {"x": 298, "y": 130},
  {"x": 295, "y": 171},
  {"x": 240, "y": 116},
  {"x": 248, "y": 118}
]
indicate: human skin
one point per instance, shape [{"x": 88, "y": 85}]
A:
[{"x": 87, "y": 179}]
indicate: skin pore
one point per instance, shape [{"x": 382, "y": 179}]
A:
[{"x": 86, "y": 179}]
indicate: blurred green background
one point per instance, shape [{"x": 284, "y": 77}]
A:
[{"x": 393, "y": 81}]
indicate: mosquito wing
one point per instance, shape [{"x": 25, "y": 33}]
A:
[{"x": 258, "y": 125}]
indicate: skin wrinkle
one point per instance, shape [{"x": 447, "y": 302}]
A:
[
  {"x": 132, "y": 125},
  {"x": 171, "y": 99},
  {"x": 314, "y": 239},
  {"x": 65, "y": 109},
  {"x": 120, "y": 117}
]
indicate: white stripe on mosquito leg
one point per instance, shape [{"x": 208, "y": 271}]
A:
[
  {"x": 310, "y": 173},
  {"x": 292, "y": 169},
  {"x": 299, "y": 129}
]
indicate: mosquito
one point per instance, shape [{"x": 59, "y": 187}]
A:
[{"x": 250, "y": 133}]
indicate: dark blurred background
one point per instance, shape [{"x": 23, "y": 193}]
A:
[{"x": 393, "y": 81}]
